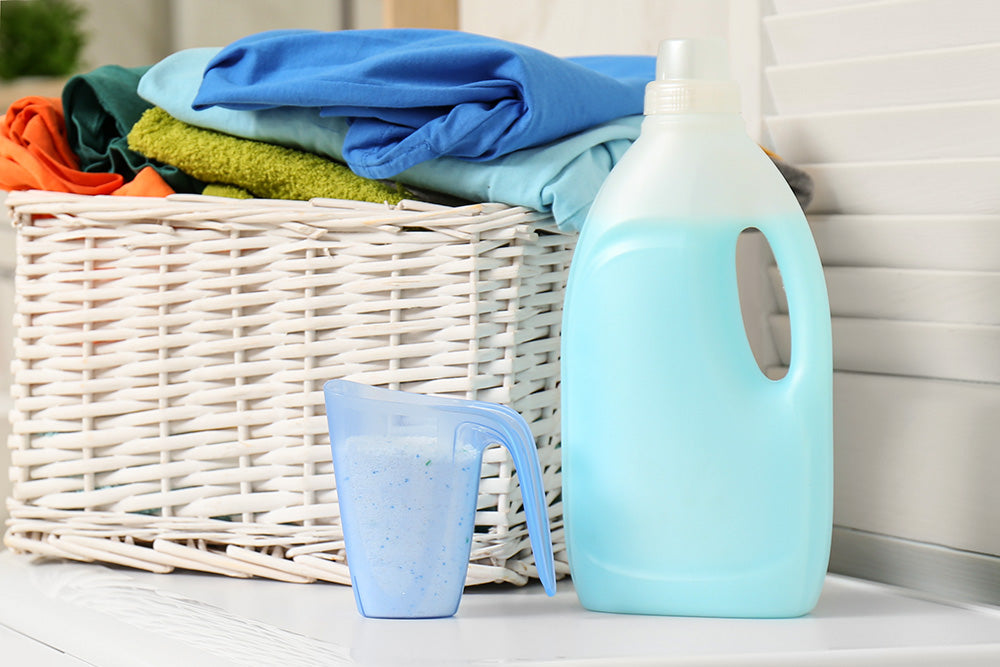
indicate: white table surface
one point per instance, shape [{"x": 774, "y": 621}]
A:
[{"x": 78, "y": 614}]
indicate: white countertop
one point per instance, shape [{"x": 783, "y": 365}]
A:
[{"x": 66, "y": 613}]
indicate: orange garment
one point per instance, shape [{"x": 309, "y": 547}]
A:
[
  {"x": 35, "y": 155},
  {"x": 771, "y": 154},
  {"x": 147, "y": 183}
]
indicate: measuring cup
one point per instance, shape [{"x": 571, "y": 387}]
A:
[{"x": 407, "y": 468}]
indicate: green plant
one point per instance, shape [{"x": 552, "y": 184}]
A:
[{"x": 40, "y": 38}]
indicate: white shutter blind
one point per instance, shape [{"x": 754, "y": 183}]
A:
[{"x": 894, "y": 108}]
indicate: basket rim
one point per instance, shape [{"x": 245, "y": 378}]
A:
[{"x": 314, "y": 218}]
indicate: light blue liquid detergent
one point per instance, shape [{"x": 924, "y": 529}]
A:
[{"x": 692, "y": 483}]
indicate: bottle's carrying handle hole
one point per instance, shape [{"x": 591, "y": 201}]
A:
[{"x": 762, "y": 303}]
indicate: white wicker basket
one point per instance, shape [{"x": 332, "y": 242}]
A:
[{"x": 170, "y": 355}]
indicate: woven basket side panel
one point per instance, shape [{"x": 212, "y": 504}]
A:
[
  {"x": 168, "y": 378},
  {"x": 534, "y": 359},
  {"x": 552, "y": 256}
]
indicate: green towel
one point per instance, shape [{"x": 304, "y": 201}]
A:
[
  {"x": 100, "y": 108},
  {"x": 263, "y": 169},
  {"x": 223, "y": 190}
]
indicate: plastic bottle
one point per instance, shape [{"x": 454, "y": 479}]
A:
[{"x": 692, "y": 483}]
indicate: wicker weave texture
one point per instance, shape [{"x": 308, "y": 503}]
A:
[{"x": 169, "y": 358}]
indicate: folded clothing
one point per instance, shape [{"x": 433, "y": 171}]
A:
[
  {"x": 414, "y": 95},
  {"x": 35, "y": 155},
  {"x": 798, "y": 180},
  {"x": 561, "y": 178},
  {"x": 264, "y": 170},
  {"x": 100, "y": 108}
]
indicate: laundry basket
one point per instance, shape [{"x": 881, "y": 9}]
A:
[{"x": 169, "y": 358}]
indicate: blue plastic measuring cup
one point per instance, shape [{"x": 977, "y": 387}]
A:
[{"x": 407, "y": 468}]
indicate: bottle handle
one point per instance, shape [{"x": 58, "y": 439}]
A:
[{"x": 801, "y": 272}]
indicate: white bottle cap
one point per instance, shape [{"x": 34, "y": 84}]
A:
[{"x": 692, "y": 76}]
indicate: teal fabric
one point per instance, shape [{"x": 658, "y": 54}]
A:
[
  {"x": 100, "y": 108},
  {"x": 561, "y": 177}
]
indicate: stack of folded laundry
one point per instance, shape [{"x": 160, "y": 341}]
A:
[{"x": 372, "y": 115}]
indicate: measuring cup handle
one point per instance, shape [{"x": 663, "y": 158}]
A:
[{"x": 510, "y": 430}]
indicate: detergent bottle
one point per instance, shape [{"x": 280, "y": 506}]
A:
[{"x": 693, "y": 484}]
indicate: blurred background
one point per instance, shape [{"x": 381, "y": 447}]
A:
[
  {"x": 130, "y": 33},
  {"x": 891, "y": 106}
]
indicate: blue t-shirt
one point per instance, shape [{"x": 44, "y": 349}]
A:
[{"x": 413, "y": 95}]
